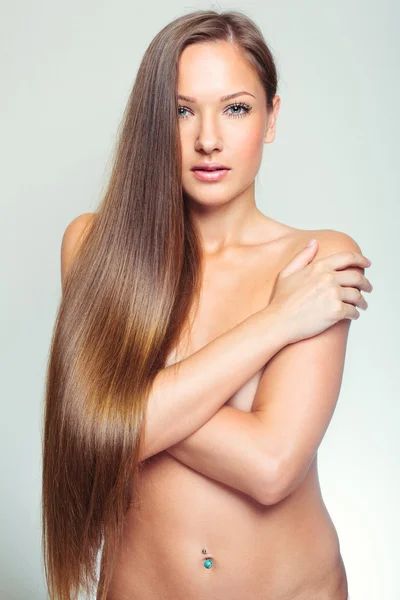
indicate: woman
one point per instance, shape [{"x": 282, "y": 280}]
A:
[{"x": 198, "y": 350}]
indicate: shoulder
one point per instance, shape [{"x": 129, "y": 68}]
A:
[
  {"x": 292, "y": 239},
  {"x": 330, "y": 241},
  {"x": 337, "y": 239},
  {"x": 72, "y": 238}
]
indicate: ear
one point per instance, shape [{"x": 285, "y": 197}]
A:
[{"x": 272, "y": 117}]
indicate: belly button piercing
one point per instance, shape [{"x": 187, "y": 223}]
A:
[{"x": 208, "y": 562}]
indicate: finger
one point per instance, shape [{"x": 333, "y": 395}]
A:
[
  {"x": 300, "y": 260},
  {"x": 341, "y": 260},
  {"x": 350, "y": 312},
  {"x": 353, "y": 296},
  {"x": 353, "y": 278}
]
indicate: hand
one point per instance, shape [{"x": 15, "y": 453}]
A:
[{"x": 309, "y": 298}]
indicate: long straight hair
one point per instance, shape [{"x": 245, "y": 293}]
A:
[{"x": 127, "y": 299}]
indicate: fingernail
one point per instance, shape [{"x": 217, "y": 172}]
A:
[{"x": 311, "y": 242}]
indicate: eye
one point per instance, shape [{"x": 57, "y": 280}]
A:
[
  {"x": 180, "y": 114},
  {"x": 242, "y": 106}
]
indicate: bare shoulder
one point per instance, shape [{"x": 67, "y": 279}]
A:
[
  {"x": 73, "y": 236},
  {"x": 291, "y": 239},
  {"x": 330, "y": 241}
]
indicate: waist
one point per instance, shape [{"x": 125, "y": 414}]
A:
[{"x": 279, "y": 548}]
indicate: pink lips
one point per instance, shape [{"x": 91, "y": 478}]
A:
[{"x": 209, "y": 175}]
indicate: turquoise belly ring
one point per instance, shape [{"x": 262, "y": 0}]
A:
[{"x": 208, "y": 562}]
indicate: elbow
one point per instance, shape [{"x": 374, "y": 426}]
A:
[
  {"x": 271, "y": 487},
  {"x": 281, "y": 481}
]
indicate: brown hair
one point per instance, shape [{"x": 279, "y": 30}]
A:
[{"x": 127, "y": 298}]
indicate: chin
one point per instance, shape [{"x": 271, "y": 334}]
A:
[{"x": 217, "y": 200}]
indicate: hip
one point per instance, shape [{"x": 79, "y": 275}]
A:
[{"x": 190, "y": 533}]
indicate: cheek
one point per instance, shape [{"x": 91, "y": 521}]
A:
[
  {"x": 251, "y": 146},
  {"x": 186, "y": 141},
  {"x": 248, "y": 148}
]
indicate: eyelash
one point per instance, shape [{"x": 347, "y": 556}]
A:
[{"x": 246, "y": 107}]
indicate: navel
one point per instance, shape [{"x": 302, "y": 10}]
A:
[{"x": 208, "y": 563}]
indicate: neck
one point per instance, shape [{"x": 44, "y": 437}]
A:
[{"x": 228, "y": 224}]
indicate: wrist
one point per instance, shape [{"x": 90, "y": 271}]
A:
[{"x": 273, "y": 323}]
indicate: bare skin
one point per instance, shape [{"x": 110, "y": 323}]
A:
[{"x": 286, "y": 551}]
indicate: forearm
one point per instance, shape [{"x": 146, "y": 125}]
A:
[
  {"x": 187, "y": 394},
  {"x": 229, "y": 448}
]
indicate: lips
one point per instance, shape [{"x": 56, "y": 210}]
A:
[
  {"x": 210, "y": 167},
  {"x": 210, "y": 175}
]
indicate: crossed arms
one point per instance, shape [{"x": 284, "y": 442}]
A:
[{"x": 267, "y": 453}]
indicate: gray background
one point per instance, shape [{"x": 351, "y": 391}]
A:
[{"x": 66, "y": 72}]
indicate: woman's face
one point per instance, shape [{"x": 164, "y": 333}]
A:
[{"x": 231, "y": 131}]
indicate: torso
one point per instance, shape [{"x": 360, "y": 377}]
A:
[{"x": 286, "y": 551}]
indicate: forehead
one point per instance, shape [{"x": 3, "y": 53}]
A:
[{"x": 211, "y": 69}]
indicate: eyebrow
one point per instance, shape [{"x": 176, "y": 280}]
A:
[{"x": 222, "y": 99}]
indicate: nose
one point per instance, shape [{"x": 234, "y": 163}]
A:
[{"x": 208, "y": 138}]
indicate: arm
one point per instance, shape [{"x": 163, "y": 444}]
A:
[
  {"x": 185, "y": 395},
  {"x": 188, "y": 393},
  {"x": 230, "y": 449},
  {"x": 299, "y": 389},
  {"x": 293, "y": 383}
]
